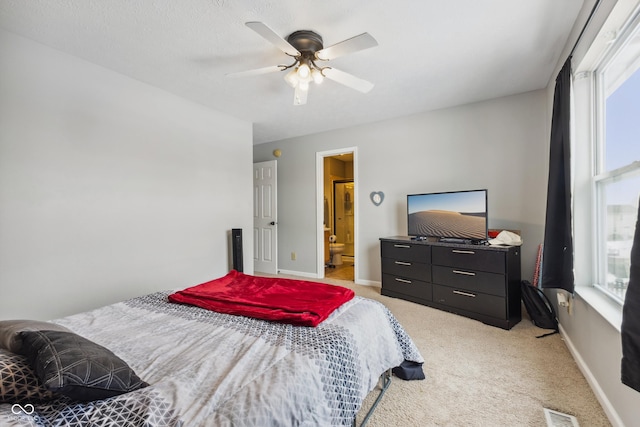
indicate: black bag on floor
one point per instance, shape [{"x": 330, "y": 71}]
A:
[
  {"x": 409, "y": 371},
  {"x": 540, "y": 309}
]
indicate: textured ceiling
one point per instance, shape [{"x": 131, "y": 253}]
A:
[{"x": 432, "y": 53}]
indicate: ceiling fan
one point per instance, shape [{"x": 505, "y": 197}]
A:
[{"x": 307, "y": 50}]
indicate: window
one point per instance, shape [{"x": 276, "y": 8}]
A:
[{"x": 616, "y": 177}]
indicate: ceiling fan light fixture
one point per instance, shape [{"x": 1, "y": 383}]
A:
[
  {"x": 303, "y": 70},
  {"x": 292, "y": 78},
  {"x": 303, "y": 85},
  {"x": 317, "y": 76}
]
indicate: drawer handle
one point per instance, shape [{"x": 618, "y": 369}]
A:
[
  {"x": 401, "y": 246},
  {"x": 458, "y": 251},
  {"x": 465, "y": 273},
  {"x": 403, "y": 280},
  {"x": 465, "y": 294},
  {"x": 402, "y": 263}
]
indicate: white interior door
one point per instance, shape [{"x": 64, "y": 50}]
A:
[{"x": 265, "y": 218}]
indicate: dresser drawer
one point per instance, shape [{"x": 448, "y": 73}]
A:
[
  {"x": 488, "y": 305},
  {"x": 408, "y": 269},
  {"x": 475, "y": 281},
  {"x": 416, "y": 288},
  {"x": 406, "y": 251},
  {"x": 470, "y": 259}
]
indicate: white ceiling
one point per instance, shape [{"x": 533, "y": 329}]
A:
[{"x": 432, "y": 53}]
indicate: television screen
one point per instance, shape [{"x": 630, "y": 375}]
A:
[{"x": 456, "y": 214}]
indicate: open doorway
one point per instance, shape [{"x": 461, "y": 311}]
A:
[{"x": 337, "y": 214}]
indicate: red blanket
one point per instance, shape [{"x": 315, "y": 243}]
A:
[{"x": 297, "y": 302}]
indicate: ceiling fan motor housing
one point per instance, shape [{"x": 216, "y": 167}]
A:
[{"x": 306, "y": 41}]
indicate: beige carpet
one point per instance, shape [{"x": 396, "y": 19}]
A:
[{"x": 479, "y": 375}]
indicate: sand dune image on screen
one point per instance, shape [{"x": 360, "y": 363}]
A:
[{"x": 448, "y": 224}]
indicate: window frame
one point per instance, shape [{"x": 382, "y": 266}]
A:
[{"x": 600, "y": 178}]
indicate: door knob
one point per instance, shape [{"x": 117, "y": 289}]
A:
[{"x": 272, "y": 223}]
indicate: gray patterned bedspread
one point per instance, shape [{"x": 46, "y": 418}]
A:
[{"x": 212, "y": 369}]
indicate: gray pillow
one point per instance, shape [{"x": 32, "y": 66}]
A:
[
  {"x": 10, "y": 331},
  {"x": 76, "y": 367}
]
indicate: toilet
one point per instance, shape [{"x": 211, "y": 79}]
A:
[{"x": 336, "y": 250}]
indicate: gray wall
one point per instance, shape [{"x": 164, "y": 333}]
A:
[
  {"x": 499, "y": 144},
  {"x": 109, "y": 188},
  {"x": 596, "y": 345}
]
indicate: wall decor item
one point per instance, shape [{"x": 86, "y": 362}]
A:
[
  {"x": 377, "y": 197},
  {"x": 277, "y": 152}
]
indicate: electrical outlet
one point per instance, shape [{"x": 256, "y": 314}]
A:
[
  {"x": 293, "y": 256},
  {"x": 564, "y": 301}
]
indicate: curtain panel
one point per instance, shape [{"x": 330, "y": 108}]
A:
[
  {"x": 557, "y": 266},
  {"x": 630, "y": 330}
]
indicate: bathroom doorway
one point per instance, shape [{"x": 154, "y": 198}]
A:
[{"x": 337, "y": 214}]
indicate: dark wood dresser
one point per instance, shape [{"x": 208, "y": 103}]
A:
[{"x": 477, "y": 281}]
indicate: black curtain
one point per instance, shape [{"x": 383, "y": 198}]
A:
[
  {"x": 557, "y": 264},
  {"x": 630, "y": 330}
]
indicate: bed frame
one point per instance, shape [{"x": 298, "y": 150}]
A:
[{"x": 384, "y": 382}]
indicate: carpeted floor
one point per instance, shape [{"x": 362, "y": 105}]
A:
[{"x": 480, "y": 375}]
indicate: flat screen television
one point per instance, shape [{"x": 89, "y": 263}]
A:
[{"x": 450, "y": 215}]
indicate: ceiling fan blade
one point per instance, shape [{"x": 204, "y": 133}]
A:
[
  {"x": 257, "y": 71},
  {"x": 347, "y": 79},
  {"x": 273, "y": 37},
  {"x": 300, "y": 96},
  {"x": 354, "y": 44}
]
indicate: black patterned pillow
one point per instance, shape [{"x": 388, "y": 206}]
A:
[
  {"x": 18, "y": 382},
  {"x": 77, "y": 367}
]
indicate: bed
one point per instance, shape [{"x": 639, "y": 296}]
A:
[{"x": 191, "y": 366}]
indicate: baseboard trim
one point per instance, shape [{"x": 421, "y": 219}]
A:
[
  {"x": 613, "y": 416},
  {"x": 299, "y": 273},
  {"x": 369, "y": 283}
]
